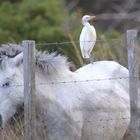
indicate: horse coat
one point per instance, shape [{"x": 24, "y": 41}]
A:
[{"x": 91, "y": 103}]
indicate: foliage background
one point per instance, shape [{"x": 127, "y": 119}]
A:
[{"x": 47, "y": 21}]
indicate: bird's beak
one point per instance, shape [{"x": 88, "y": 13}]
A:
[{"x": 92, "y": 17}]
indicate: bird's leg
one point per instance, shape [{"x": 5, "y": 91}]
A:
[
  {"x": 91, "y": 59},
  {"x": 87, "y": 60}
]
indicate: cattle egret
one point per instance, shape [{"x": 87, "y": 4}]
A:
[{"x": 87, "y": 37}]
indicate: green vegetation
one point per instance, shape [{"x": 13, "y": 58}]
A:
[
  {"x": 32, "y": 19},
  {"x": 46, "y": 22},
  {"x": 42, "y": 21}
]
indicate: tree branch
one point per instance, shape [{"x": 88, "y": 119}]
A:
[{"x": 120, "y": 16}]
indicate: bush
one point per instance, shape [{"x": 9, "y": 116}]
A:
[{"x": 32, "y": 19}]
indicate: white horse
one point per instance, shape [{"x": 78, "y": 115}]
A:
[{"x": 91, "y": 103}]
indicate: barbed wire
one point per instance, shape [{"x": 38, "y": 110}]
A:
[
  {"x": 101, "y": 120},
  {"x": 71, "y": 42},
  {"x": 94, "y": 120},
  {"x": 74, "y": 81},
  {"x": 82, "y": 81},
  {"x": 91, "y": 122}
]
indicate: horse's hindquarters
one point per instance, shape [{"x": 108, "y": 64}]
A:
[{"x": 105, "y": 129}]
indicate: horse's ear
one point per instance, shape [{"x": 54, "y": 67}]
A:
[{"x": 17, "y": 60}]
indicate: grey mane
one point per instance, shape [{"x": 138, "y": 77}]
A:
[
  {"x": 9, "y": 50},
  {"x": 52, "y": 62},
  {"x": 49, "y": 63}
]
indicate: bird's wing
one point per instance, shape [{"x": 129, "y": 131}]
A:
[
  {"x": 91, "y": 37},
  {"x": 83, "y": 41},
  {"x": 87, "y": 40},
  {"x": 91, "y": 33},
  {"x": 83, "y": 37}
]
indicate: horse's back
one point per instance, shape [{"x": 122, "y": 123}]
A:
[
  {"x": 93, "y": 103},
  {"x": 105, "y": 106}
]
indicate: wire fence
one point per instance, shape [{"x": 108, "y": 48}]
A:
[
  {"x": 130, "y": 36},
  {"x": 18, "y": 133},
  {"x": 77, "y": 42},
  {"x": 102, "y": 121},
  {"x": 70, "y": 82}
]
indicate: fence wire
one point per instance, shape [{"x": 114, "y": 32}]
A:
[
  {"x": 70, "y": 82},
  {"x": 61, "y": 44},
  {"x": 76, "y": 41},
  {"x": 18, "y": 132},
  {"x": 73, "y": 81},
  {"x": 104, "y": 49}
]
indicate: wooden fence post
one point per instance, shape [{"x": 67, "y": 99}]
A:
[
  {"x": 133, "y": 84},
  {"x": 29, "y": 89}
]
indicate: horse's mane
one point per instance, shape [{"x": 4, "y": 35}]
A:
[
  {"x": 51, "y": 62},
  {"x": 9, "y": 50},
  {"x": 48, "y": 62}
]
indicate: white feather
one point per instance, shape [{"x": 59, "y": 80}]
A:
[{"x": 87, "y": 38}]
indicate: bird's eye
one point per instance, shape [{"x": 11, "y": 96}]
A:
[{"x": 6, "y": 84}]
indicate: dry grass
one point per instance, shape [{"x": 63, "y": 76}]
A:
[{"x": 14, "y": 131}]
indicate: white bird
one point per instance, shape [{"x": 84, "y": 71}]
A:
[{"x": 87, "y": 37}]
